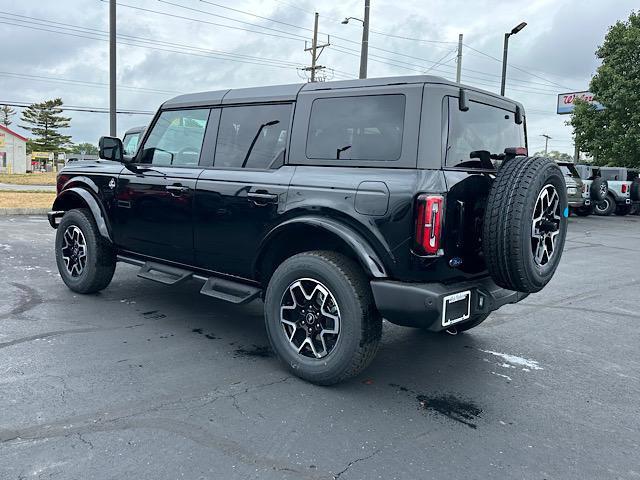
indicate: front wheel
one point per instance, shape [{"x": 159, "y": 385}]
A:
[
  {"x": 321, "y": 318},
  {"x": 86, "y": 261}
]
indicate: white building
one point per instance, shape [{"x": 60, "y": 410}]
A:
[{"x": 13, "y": 151}]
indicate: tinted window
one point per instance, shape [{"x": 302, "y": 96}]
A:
[
  {"x": 569, "y": 170},
  {"x": 482, "y": 127},
  {"x": 252, "y": 136},
  {"x": 356, "y": 128},
  {"x": 176, "y": 138},
  {"x": 130, "y": 143}
]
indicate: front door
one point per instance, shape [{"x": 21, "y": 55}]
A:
[
  {"x": 154, "y": 203},
  {"x": 241, "y": 196}
]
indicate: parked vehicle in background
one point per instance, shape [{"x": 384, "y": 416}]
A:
[
  {"x": 594, "y": 187},
  {"x": 578, "y": 197},
  {"x": 633, "y": 175},
  {"x": 131, "y": 140},
  {"x": 405, "y": 198},
  {"x": 618, "y": 199}
]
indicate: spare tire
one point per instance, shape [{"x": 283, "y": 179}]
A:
[
  {"x": 525, "y": 223},
  {"x": 635, "y": 190},
  {"x": 599, "y": 189}
]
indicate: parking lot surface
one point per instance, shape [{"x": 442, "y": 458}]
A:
[{"x": 145, "y": 381}]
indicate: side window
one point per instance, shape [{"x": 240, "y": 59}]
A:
[
  {"x": 176, "y": 138},
  {"x": 252, "y": 136},
  {"x": 367, "y": 127},
  {"x": 130, "y": 143},
  {"x": 482, "y": 127}
]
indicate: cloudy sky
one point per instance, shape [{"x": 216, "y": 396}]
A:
[{"x": 167, "y": 47}]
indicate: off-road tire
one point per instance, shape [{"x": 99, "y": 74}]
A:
[
  {"x": 360, "y": 322},
  {"x": 598, "y": 189},
  {"x": 101, "y": 258},
  {"x": 508, "y": 220},
  {"x": 606, "y": 207}
]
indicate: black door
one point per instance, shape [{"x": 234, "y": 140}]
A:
[
  {"x": 241, "y": 197},
  {"x": 154, "y": 205}
]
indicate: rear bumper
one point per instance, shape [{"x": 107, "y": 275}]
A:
[{"x": 421, "y": 304}]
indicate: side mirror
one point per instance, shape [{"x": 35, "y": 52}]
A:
[{"x": 110, "y": 148}]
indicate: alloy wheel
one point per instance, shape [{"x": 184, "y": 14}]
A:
[
  {"x": 310, "y": 318},
  {"x": 74, "y": 251},
  {"x": 545, "y": 225}
]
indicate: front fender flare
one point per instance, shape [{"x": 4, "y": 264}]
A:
[
  {"x": 89, "y": 199},
  {"x": 360, "y": 246}
]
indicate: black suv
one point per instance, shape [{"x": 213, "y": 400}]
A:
[{"x": 339, "y": 204}]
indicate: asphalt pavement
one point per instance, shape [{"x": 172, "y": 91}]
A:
[
  {"x": 144, "y": 381},
  {"x": 13, "y": 187}
]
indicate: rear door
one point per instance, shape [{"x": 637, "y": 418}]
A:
[
  {"x": 154, "y": 205},
  {"x": 242, "y": 193}
]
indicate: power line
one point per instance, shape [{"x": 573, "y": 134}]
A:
[
  {"x": 74, "y": 108},
  {"x": 80, "y": 82}
]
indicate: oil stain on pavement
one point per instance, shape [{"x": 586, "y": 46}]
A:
[{"x": 447, "y": 404}]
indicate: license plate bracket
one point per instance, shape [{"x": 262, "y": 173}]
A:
[{"x": 456, "y": 308}]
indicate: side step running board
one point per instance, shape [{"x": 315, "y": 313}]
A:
[
  {"x": 164, "y": 273},
  {"x": 229, "y": 291}
]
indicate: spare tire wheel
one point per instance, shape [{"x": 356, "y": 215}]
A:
[
  {"x": 525, "y": 223},
  {"x": 599, "y": 189}
]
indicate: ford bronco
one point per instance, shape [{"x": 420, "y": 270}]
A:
[{"x": 339, "y": 204}]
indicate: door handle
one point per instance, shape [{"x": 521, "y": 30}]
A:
[
  {"x": 176, "y": 189},
  {"x": 262, "y": 198}
]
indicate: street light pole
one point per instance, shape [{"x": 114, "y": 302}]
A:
[
  {"x": 364, "y": 53},
  {"x": 112, "y": 69},
  {"x": 546, "y": 142},
  {"x": 513, "y": 31}
]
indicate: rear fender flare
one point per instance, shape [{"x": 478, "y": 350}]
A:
[
  {"x": 89, "y": 199},
  {"x": 368, "y": 258}
]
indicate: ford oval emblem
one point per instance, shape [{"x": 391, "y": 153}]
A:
[{"x": 455, "y": 262}]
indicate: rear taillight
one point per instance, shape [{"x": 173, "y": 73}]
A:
[
  {"x": 624, "y": 188},
  {"x": 429, "y": 215}
]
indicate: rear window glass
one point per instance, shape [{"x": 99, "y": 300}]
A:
[
  {"x": 482, "y": 127},
  {"x": 368, "y": 127},
  {"x": 569, "y": 171}
]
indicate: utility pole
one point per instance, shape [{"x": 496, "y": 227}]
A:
[
  {"x": 364, "y": 52},
  {"x": 112, "y": 69},
  {"x": 315, "y": 54},
  {"x": 459, "y": 66},
  {"x": 546, "y": 142}
]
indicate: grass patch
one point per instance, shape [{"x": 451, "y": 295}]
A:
[
  {"x": 48, "y": 178},
  {"x": 26, "y": 199}
]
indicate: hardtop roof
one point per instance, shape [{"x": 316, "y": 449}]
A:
[{"x": 289, "y": 93}]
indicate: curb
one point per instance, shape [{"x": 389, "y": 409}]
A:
[{"x": 23, "y": 211}]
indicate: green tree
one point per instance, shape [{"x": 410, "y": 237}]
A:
[
  {"x": 86, "y": 148},
  {"x": 612, "y": 135},
  {"x": 44, "y": 120},
  {"x": 6, "y": 112},
  {"x": 555, "y": 155}
]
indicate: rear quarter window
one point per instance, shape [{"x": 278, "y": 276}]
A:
[
  {"x": 482, "y": 127},
  {"x": 368, "y": 127}
]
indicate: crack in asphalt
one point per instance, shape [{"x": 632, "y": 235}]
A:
[{"x": 353, "y": 462}]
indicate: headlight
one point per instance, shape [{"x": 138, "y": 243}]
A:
[{"x": 572, "y": 190}]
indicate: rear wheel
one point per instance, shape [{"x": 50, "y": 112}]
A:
[
  {"x": 606, "y": 206},
  {"x": 321, "y": 317},
  {"x": 86, "y": 261}
]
